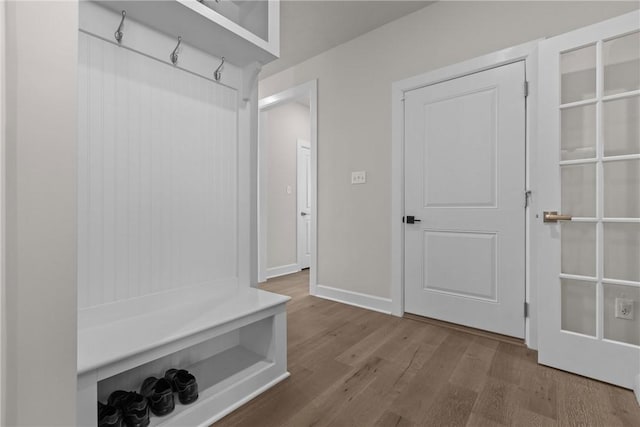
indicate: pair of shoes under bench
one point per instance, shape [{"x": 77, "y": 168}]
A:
[
  {"x": 124, "y": 408},
  {"x": 109, "y": 416},
  {"x": 184, "y": 383},
  {"x": 159, "y": 391}
]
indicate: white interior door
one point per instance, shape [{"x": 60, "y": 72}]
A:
[
  {"x": 304, "y": 203},
  {"x": 589, "y": 168},
  {"x": 465, "y": 182}
]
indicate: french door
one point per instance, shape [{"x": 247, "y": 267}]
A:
[{"x": 589, "y": 174}]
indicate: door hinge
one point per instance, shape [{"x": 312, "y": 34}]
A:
[
  {"x": 403, "y": 220},
  {"x": 526, "y": 309},
  {"x": 527, "y": 198},
  {"x": 526, "y": 88}
]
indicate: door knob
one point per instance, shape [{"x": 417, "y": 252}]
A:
[
  {"x": 303, "y": 214},
  {"x": 412, "y": 219},
  {"x": 554, "y": 216}
]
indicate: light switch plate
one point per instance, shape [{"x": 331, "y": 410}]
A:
[{"x": 359, "y": 177}]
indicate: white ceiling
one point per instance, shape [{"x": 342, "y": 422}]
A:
[{"x": 310, "y": 27}]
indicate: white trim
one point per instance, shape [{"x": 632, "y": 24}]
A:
[
  {"x": 370, "y": 302},
  {"x": 263, "y": 143},
  {"x": 3, "y": 345},
  {"x": 310, "y": 90},
  {"x": 636, "y": 388},
  {"x": 282, "y": 270},
  {"x": 247, "y": 228},
  {"x": 526, "y": 52}
]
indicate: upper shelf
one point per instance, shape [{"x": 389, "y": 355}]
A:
[{"x": 243, "y": 31}]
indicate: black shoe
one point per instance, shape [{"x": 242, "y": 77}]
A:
[
  {"x": 134, "y": 407},
  {"x": 159, "y": 394},
  {"x": 109, "y": 416},
  {"x": 184, "y": 383}
]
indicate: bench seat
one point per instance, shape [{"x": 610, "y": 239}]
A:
[{"x": 231, "y": 337}]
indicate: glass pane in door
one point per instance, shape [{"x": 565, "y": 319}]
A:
[
  {"x": 578, "y": 127},
  {"x": 621, "y": 57},
  {"x": 578, "y": 190},
  {"x": 621, "y": 189},
  {"x": 621, "y": 123},
  {"x": 622, "y": 251},
  {"x": 578, "y": 74},
  {"x": 578, "y": 240},
  {"x": 578, "y": 306}
]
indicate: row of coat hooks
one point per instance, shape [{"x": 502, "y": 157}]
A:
[{"x": 119, "y": 35}]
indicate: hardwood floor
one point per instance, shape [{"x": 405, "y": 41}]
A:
[{"x": 354, "y": 367}]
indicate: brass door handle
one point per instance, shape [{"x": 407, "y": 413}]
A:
[{"x": 553, "y": 216}]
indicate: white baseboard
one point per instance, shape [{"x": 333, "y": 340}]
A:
[
  {"x": 282, "y": 270},
  {"x": 370, "y": 302},
  {"x": 636, "y": 388}
]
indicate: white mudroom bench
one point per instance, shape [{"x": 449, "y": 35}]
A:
[{"x": 231, "y": 337}]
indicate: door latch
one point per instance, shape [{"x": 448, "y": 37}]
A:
[
  {"x": 554, "y": 216},
  {"x": 412, "y": 219}
]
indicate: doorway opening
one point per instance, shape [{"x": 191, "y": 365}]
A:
[{"x": 287, "y": 183}]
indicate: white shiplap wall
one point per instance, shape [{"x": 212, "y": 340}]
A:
[{"x": 157, "y": 176}]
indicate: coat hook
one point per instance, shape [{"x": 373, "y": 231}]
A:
[
  {"x": 118, "y": 34},
  {"x": 174, "y": 54},
  {"x": 217, "y": 74}
]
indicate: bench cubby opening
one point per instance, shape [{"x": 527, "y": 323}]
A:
[
  {"x": 212, "y": 362},
  {"x": 235, "y": 347}
]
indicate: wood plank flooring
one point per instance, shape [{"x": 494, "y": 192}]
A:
[{"x": 354, "y": 367}]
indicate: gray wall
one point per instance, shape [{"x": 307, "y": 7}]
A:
[
  {"x": 41, "y": 43},
  {"x": 284, "y": 124},
  {"x": 354, "y": 123}
]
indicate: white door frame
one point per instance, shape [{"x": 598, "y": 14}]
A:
[
  {"x": 526, "y": 52},
  {"x": 306, "y": 90}
]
